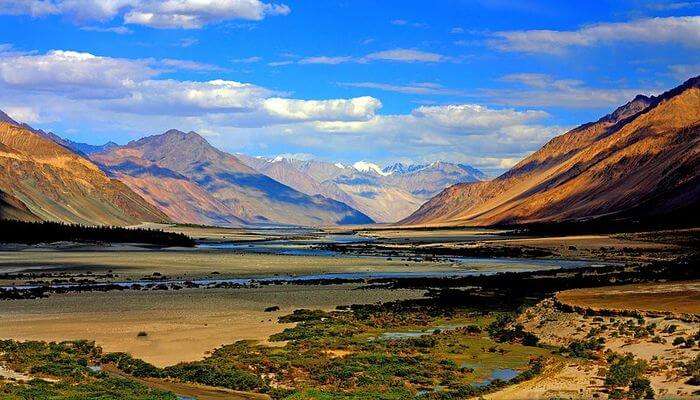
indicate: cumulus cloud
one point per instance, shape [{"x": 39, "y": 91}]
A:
[
  {"x": 468, "y": 116},
  {"x": 132, "y": 86},
  {"x": 22, "y": 114},
  {"x": 73, "y": 73},
  {"x": 359, "y": 108},
  {"x": 185, "y": 14},
  {"x": 172, "y": 97},
  {"x": 681, "y": 30},
  {"x": 115, "y": 95}
]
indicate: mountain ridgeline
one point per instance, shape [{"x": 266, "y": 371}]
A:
[
  {"x": 40, "y": 180},
  {"x": 386, "y": 195},
  {"x": 193, "y": 182},
  {"x": 639, "y": 163}
]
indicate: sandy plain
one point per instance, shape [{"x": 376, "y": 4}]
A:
[{"x": 181, "y": 325}]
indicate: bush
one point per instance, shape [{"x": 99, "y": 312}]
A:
[
  {"x": 623, "y": 370},
  {"x": 692, "y": 369},
  {"x": 640, "y": 388},
  {"x": 585, "y": 348}
]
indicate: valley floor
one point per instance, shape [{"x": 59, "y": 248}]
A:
[{"x": 477, "y": 334}]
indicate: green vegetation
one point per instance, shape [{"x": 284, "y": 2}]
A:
[
  {"x": 626, "y": 371},
  {"x": 585, "y": 348},
  {"x": 41, "y": 232},
  {"x": 68, "y": 363},
  {"x": 403, "y": 350},
  {"x": 103, "y": 389},
  {"x": 692, "y": 369},
  {"x": 416, "y": 349}
]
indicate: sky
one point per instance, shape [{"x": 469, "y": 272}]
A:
[{"x": 484, "y": 82}]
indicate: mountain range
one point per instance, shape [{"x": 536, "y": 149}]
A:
[
  {"x": 386, "y": 195},
  {"x": 194, "y": 182},
  {"x": 42, "y": 180},
  {"x": 181, "y": 177},
  {"x": 639, "y": 162}
]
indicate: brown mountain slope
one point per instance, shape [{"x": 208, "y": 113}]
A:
[
  {"x": 40, "y": 179},
  {"x": 642, "y": 160},
  {"x": 215, "y": 184}
]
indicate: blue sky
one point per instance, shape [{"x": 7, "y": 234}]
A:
[{"x": 483, "y": 82}]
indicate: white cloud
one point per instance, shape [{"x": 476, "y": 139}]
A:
[
  {"x": 248, "y": 60},
  {"x": 193, "y": 14},
  {"x": 185, "y": 14},
  {"x": 171, "y": 97},
  {"x": 682, "y": 72},
  {"x": 191, "y": 65},
  {"x": 119, "y": 30},
  {"x": 325, "y": 60},
  {"x": 24, "y": 114},
  {"x": 90, "y": 93},
  {"x": 394, "y": 55},
  {"x": 470, "y": 116},
  {"x": 673, "y": 5},
  {"x": 359, "y": 108},
  {"x": 73, "y": 73},
  {"x": 187, "y": 42},
  {"x": 421, "y": 88},
  {"x": 681, "y": 30},
  {"x": 541, "y": 90},
  {"x": 403, "y": 22},
  {"x": 405, "y": 55}
]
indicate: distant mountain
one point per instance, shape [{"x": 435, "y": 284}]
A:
[
  {"x": 83, "y": 149},
  {"x": 370, "y": 168},
  {"x": 401, "y": 168},
  {"x": 386, "y": 195},
  {"x": 6, "y": 118},
  {"x": 637, "y": 163},
  {"x": 427, "y": 180},
  {"x": 194, "y": 182},
  {"x": 42, "y": 180}
]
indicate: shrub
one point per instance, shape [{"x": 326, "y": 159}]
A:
[
  {"x": 623, "y": 370},
  {"x": 692, "y": 369},
  {"x": 640, "y": 388}
]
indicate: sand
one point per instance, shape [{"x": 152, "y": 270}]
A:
[
  {"x": 136, "y": 264},
  {"x": 675, "y": 297},
  {"x": 559, "y": 379},
  {"x": 180, "y": 325},
  {"x": 558, "y": 328}
]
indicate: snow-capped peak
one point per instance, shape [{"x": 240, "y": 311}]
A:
[
  {"x": 340, "y": 165},
  {"x": 368, "y": 167},
  {"x": 279, "y": 158}
]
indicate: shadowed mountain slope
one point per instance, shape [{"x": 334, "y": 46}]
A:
[
  {"x": 42, "y": 180},
  {"x": 386, "y": 196},
  {"x": 194, "y": 182},
  {"x": 641, "y": 161}
]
